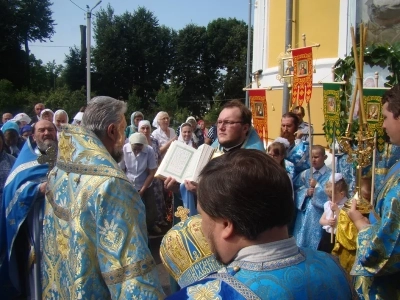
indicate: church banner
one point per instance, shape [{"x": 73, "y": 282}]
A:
[
  {"x": 302, "y": 75},
  {"x": 258, "y": 105},
  {"x": 373, "y": 113},
  {"x": 331, "y": 109}
]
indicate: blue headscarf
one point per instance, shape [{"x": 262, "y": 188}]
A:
[{"x": 10, "y": 125}]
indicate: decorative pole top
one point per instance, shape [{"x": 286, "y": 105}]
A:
[{"x": 182, "y": 213}]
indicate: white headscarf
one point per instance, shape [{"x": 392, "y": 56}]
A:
[
  {"x": 155, "y": 121},
  {"x": 60, "y": 111},
  {"x": 45, "y": 110},
  {"x": 144, "y": 123}
]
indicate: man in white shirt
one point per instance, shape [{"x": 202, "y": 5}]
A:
[{"x": 140, "y": 165}]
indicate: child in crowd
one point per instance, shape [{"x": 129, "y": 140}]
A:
[
  {"x": 310, "y": 198},
  {"x": 277, "y": 150},
  {"x": 331, "y": 210}
]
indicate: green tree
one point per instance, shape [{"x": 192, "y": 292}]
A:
[
  {"x": 140, "y": 61},
  {"x": 21, "y": 22},
  {"x": 39, "y": 77},
  {"x": 167, "y": 98},
  {"x": 194, "y": 69},
  {"x": 34, "y": 23},
  {"x": 227, "y": 41},
  {"x": 74, "y": 73}
]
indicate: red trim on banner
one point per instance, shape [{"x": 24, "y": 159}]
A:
[
  {"x": 258, "y": 105},
  {"x": 303, "y": 75}
]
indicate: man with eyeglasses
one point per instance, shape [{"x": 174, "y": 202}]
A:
[{"x": 235, "y": 130}]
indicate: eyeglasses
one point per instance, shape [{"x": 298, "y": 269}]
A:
[{"x": 227, "y": 123}]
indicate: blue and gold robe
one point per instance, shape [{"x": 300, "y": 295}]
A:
[
  {"x": 348, "y": 170},
  {"x": 384, "y": 161},
  {"x": 21, "y": 202},
  {"x": 377, "y": 264},
  {"x": 307, "y": 229},
  {"x": 298, "y": 154},
  {"x": 289, "y": 167},
  {"x": 95, "y": 238},
  {"x": 288, "y": 272}
]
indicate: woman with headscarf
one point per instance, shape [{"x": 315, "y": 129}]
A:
[
  {"x": 60, "y": 117},
  {"x": 22, "y": 119},
  {"x": 186, "y": 135},
  {"x": 12, "y": 140},
  {"x": 157, "y": 185},
  {"x": 163, "y": 134},
  {"x": 136, "y": 117},
  {"x": 197, "y": 134},
  {"x": 6, "y": 163},
  {"x": 47, "y": 114},
  {"x": 26, "y": 131}
]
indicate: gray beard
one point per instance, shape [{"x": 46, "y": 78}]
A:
[
  {"x": 117, "y": 155},
  {"x": 43, "y": 146}
]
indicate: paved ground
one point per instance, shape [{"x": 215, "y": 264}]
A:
[{"x": 154, "y": 244}]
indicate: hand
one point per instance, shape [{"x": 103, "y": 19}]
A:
[
  {"x": 332, "y": 222},
  {"x": 42, "y": 188},
  {"x": 191, "y": 186},
  {"x": 356, "y": 217},
  {"x": 313, "y": 182},
  {"x": 334, "y": 207},
  {"x": 299, "y": 134},
  {"x": 141, "y": 192},
  {"x": 310, "y": 192},
  {"x": 171, "y": 184}
]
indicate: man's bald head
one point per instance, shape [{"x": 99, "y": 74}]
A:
[{"x": 6, "y": 117}]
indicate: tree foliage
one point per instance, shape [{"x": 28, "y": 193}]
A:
[
  {"x": 133, "y": 53},
  {"x": 186, "y": 72},
  {"x": 74, "y": 73},
  {"x": 22, "y": 21}
]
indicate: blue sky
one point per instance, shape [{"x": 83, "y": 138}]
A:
[{"x": 172, "y": 13}]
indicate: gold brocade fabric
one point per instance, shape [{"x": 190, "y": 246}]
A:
[
  {"x": 345, "y": 244},
  {"x": 186, "y": 254},
  {"x": 94, "y": 228},
  {"x": 376, "y": 269}
]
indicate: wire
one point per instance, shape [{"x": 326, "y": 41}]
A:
[
  {"x": 77, "y": 5},
  {"x": 48, "y": 46}
]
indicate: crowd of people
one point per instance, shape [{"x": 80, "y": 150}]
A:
[{"x": 76, "y": 225}]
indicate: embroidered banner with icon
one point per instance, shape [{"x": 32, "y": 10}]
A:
[
  {"x": 373, "y": 113},
  {"x": 331, "y": 109},
  {"x": 258, "y": 105},
  {"x": 302, "y": 75}
]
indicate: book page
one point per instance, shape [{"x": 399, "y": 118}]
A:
[
  {"x": 191, "y": 170},
  {"x": 206, "y": 154},
  {"x": 176, "y": 161}
]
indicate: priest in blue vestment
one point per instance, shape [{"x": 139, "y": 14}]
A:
[
  {"x": 245, "y": 202},
  {"x": 94, "y": 228},
  {"x": 298, "y": 151},
  {"x": 22, "y": 215},
  {"x": 377, "y": 265}
]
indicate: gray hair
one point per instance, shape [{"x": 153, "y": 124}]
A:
[{"x": 101, "y": 112}]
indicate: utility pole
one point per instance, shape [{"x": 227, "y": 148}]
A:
[
  {"x": 88, "y": 73},
  {"x": 248, "y": 55}
]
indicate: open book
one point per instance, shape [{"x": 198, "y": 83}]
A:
[{"x": 183, "y": 162}]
